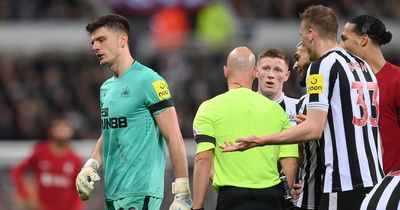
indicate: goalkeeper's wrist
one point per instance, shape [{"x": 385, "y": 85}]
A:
[
  {"x": 92, "y": 163},
  {"x": 181, "y": 185}
]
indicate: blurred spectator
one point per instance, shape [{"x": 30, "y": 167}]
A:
[
  {"x": 33, "y": 89},
  {"x": 28, "y": 10},
  {"x": 55, "y": 167}
]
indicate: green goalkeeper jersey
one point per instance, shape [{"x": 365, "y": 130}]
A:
[
  {"x": 239, "y": 113},
  {"x": 133, "y": 147}
]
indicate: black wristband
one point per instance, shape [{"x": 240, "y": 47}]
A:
[{"x": 196, "y": 209}]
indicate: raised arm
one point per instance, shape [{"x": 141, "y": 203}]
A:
[{"x": 310, "y": 130}]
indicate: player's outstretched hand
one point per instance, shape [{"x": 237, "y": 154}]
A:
[
  {"x": 86, "y": 179},
  {"x": 242, "y": 145},
  {"x": 182, "y": 198}
]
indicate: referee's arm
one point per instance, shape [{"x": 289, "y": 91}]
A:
[
  {"x": 201, "y": 177},
  {"x": 289, "y": 167}
]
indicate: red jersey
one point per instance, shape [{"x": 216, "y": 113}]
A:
[
  {"x": 54, "y": 175},
  {"x": 389, "y": 115}
]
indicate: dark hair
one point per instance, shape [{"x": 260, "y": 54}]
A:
[
  {"x": 322, "y": 18},
  {"x": 274, "y": 53},
  {"x": 373, "y": 27},
  {"x": 111, "y": 21}
]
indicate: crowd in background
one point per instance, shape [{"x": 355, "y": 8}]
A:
[
  {"x": 27, "y": 10},
  {"x": 35, "y": 87}
]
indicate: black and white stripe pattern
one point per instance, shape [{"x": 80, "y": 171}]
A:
[
  {"x": 350, "y": 148},
  {"x": 310, "y": 172},
  {"x": 385, "y": 195},
  {"x": 289, "y": 105}
]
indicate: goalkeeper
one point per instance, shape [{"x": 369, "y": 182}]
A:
[
  {"x": 137, "y": 112},
  {"x": 247, "y": 180}
]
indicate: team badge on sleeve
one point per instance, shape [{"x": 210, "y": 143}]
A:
[
  {"x": 161, "y": 88},
  {"x": 315, "y": 83}
]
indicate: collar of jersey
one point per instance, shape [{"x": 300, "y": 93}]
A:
[{"x": 280, "y": 99}]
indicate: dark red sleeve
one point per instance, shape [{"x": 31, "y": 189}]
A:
[
  {"x": 17, "y": 174},
  {"x": 397, "y": 96},
  {"x": 78, "y": 165}
]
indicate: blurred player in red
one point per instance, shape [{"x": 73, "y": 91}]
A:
[{"x": 55, "y": 167}]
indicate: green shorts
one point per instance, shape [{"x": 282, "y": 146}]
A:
[{"x": 134, "y": 203}]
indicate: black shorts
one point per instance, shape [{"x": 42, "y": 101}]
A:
[
  {"x": 343, "y": 200},
  {"x": 236, "y": 198}
]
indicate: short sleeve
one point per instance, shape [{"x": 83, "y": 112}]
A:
[
  {"x": 157, "y": 94},
  {"x": 203, "y": 129},
  {"x": 288, "y": 150},
  {"x": 318, "y": 79}
]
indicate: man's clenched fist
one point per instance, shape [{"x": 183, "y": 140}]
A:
[{"x": 86, "y": 179}]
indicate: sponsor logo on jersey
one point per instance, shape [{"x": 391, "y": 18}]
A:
[
  {"x": 315, "y": 83},
  {"x": 161, "y": 88},
  {"x": 48, "y": 179},
  {"x": 112, "y": 122}
]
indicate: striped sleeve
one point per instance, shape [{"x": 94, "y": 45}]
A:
[{"x": 318, "y": 83}]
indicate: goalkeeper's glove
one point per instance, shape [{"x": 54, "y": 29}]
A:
[
  {"x": 86, "y": 179},
  {"x": 182, "y": 198}
]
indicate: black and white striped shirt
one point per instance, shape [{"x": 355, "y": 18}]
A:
[
  {"x": 385, "y": 195},
  {"x": 345, "y": 87},
  {"x": 289, "y": 105},
  {"x": 311, "y": 169}
]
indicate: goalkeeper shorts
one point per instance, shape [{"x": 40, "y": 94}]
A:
[{"x": 135, "y": 203}]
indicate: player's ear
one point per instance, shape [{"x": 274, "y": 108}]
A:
[
  {"x": 226, "y": 72},
  {"x": 287, "y": 75},
  {"x": 364, "y": 39},
  {"x": 254, "y": 73},
  {"x": 311, "y": 35},
  {"x": 123, "y": 40}
]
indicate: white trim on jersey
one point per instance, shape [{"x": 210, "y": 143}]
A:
[
  {"x": 351, "y": 146},
  {"x": 289, "y": 105}
]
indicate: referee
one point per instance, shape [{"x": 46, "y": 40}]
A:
[{"x": 247, "y": 180}]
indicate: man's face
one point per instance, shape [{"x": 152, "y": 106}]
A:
[
  {"x": 351, "y": 41},
  {"x": 271, "y": 74},
  {"x": 302, "y": 61},
  {"x": 307, "y": 40},
  {"x": 61, "y": 131},
  {"x": 105, "y": 44}
]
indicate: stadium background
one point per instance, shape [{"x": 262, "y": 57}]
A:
[{"x": 47, "y": 68}]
